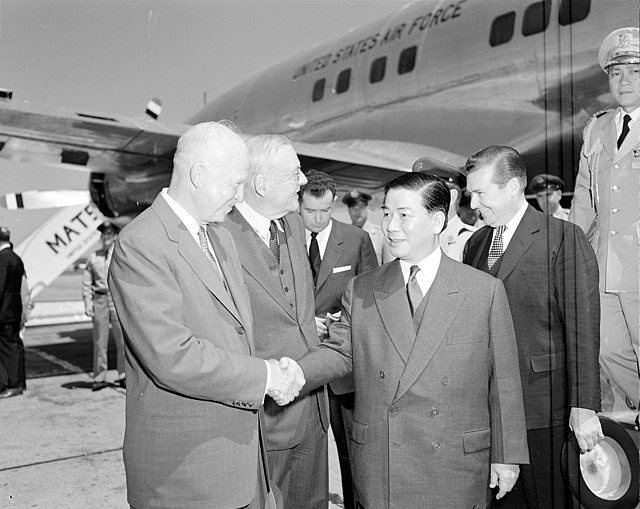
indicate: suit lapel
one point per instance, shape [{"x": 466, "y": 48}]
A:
[
  {"x": 609, "y": 136},
  {"x": 251, "y": 253},
  {"x": 331, "y": 254},
  {"x": 522, "y": 239},
  {"x": 393, "y": 306},
  {"x": 629, "y": 142},
  {"x": 443, "y": 303},
  {"x": 193, "y": 255}
]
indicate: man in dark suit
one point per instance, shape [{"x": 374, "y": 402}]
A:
[
  {"x": 337, "y": 252},
  {"x": 551, "y": 277},
  {"x": 438, "y": 415},
  {"x": 269, "y": 234},
  {"x": 12, "y": 378},
  {"x": 194, "y": 384}
]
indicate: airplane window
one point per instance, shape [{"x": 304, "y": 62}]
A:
[
  {"x": 572, "y": 11},
  {"x": 342, "y": 83},
  {"x": 378, "y": 66},
  {"x": 536, "y": 18},
  {"x": 318, "y": 90},
  {"x": 502, "y": 29},
  {"x": 407, "y": 60}
]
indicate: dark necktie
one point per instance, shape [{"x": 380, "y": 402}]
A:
[
  {"x": 274, "y": 245},
  {"x": 414, "y": 293},
  {"x": 314, "y": 257},
  {"x": 625, "y": 129},
  {"x": 496, "y": 246},
  {"x": 204, "y": 245}
]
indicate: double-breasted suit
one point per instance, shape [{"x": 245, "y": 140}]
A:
[
  {"x": 435, "y": 402},
  {"x": 606, "y": 206},
  {"x": 193, "y": 387},
  {"x": 283, "y": 312}
]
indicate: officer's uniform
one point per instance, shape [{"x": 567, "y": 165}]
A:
[
  {"x": 605, "y": 205},
  {"x": 545, "y": 183}
]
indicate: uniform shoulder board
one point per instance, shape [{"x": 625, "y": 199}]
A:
[{"x": 603, "y": 111}]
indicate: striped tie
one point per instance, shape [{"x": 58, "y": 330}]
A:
[
  {"x": 414, "y": 293},
  {"x": 204, "y": 245}
]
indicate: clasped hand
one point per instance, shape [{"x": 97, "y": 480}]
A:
[
  {"x": 503, "y": 476},
  {"x": 585, "y": 425},
  {"x": 287, "y": 379}
]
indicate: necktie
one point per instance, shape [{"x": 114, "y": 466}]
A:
[
  {"x": 496, "y": 246},
  {"x": 625, "y": 129},
  {"x": 413, "y": 289},
  {"x": 314, "y": 256},
  {"x": 204, "y": 245},
  {"x": 274, "y": 245}
]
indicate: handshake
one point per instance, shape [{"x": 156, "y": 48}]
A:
[{"x": 287, "y": 379}]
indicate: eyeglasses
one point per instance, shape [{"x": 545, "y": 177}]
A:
[{"x": 291, "y": 175}]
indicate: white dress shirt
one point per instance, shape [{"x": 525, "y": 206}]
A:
[{"x": 428, "y": 269}]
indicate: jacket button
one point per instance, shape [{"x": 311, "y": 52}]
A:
[
  {"x": 435, "y": 445},
  {"x": 614, "y": 188},
  {"x": 240, "y": 330},
  {"x": 434, "y": 412},
  {"x": 286, "y": 289},
  {"x": 613, "y": 232},
  {"x": 394, "y": 410},
  {"x": 444, "y": 380},
  {"x": 614, "y": 211},
  {"x": 281, "y": 271},
  {"x": 382, "y": 374}
]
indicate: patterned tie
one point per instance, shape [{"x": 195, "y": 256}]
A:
[
  {"x": 274, "y": 245},
  {"x": 625, "y": 129},
  {"x": 496, "y": 246},
  {"x": 314, "y": 257},
  {"x": 204, "y": 245},
  {"x": 413, "y": 289}
]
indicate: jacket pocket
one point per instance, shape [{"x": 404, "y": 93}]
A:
[
  {"x": 359, "y": 432},
  {"x": 543, "y": 362},
  {"x": 476, "y": 440}
]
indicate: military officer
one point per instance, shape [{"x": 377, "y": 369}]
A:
[
  {"x": 605, "y": 205},
  {"x": 548, "y": 190},
  {"x": 357, "y": 202}
]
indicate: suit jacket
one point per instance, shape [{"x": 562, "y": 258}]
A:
[
  {"x": 193, "y": 389},
  {"x": 605, "y": 201},
  {"x": 551, "y": 277},
  {"x": 281, "y": 329},
  {"x": 11, "y": 273},
  {"x": 349, "y": 252},
  {"x": 429, "y": 415}
]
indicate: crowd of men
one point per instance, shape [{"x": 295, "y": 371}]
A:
[{"x": 450, "y": 357}]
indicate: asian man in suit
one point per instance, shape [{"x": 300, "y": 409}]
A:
[
  {"x": 337, "y": 252},
  {"x": 438, "y": 415},
  {"x": 550, "y": 274},
  {"x": 269, "y": 234},
  {"x": 194, "y": 384}
]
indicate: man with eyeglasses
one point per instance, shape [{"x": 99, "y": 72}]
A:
[{"x": 270, "y": 237}]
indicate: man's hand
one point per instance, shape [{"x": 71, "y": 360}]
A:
[
  {"x": 504, "y": 477},
  {"x": 88, "y": 309},
  {"x": 287, "y": 379},
  {"x": 321, "y": 327},
  {"x": 586, "y": 427}
]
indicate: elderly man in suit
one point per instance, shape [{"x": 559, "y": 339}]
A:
[
  {"x": 337, "y": 252},
  {"x": 438, "y": 414},
  {"x": 193, "y": 437},
  {"x": 551, "y": 277},
  {"x": 269, "y": 234},
  {"x": 12, "y": 312},
  {"x": 605, "y": 205}
]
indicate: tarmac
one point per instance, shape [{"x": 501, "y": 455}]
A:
[{"x": 61, "y": 443}]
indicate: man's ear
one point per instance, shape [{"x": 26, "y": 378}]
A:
[
  {"x": 438, "y": 222},
  {"x": 259, "y": 185},
  {"x": 195, "y": 175},
  {"x": 453, "y": 193}
]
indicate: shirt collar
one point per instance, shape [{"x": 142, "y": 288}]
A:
[
  {"x": 635, "y": 114},
  {"x": 257, "y": 221},
  {"x": 513, "y": 223},
  {"x": 428, "y": 265},
  {"x": 323, "y": 236},
  {"x": 187, "y": 219}
]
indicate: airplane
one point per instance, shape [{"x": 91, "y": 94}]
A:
[{"x": 436, "y": 80}]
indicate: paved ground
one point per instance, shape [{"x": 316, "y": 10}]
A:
[{"x": 61, "y": 443}]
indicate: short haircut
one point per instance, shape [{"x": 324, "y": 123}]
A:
[
  {"x": 507, "y": 162},
  {"x": 318, "y": 182},
  {"x": 433, "y": 191},
  {"x": 262, "y": 149},
  {"x": 204, "y": 141},
  {"x": 5, "y": 234}
]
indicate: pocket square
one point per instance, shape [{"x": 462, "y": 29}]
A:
[{"x": 341, "y": 269}]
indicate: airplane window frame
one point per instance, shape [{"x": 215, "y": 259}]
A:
[
  {"x": 502, "y": 29},
  {"x": 318, "y": 90},
  {"x": 567, "y": 14},
  {"x": 342, "y": 83},
  {"x": 410, "y": 53},
  {"x": 377, "y": 70},
  {"x": 534, "y": 14}
]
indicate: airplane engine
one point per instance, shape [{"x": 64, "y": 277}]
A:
[{"x": 126, "y": 195}]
